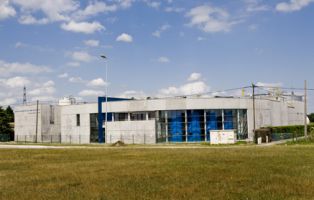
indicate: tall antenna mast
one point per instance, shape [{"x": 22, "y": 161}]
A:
[{"x": 24, "y": 96}]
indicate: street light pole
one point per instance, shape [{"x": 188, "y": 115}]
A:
[{"x": 106, "y": 97}]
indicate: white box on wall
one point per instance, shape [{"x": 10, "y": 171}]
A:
[{"x": 222, "y": 137}]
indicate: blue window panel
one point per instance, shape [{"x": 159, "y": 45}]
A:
[
  {"x": 228, "y": 120},
  {"x": 211, "y": 123},
  {"x": 175, "y": 127},
  {"x": 194, "y": 126},
  {"x": 109, "y": 117}
]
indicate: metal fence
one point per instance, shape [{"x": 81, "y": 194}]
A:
[
  {"x": 4, "y": 137},
  {"x": 64, "y": 139},
  {"x": 87, "y": 139}
]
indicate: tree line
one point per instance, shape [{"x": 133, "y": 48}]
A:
[
  {"x": 6, "y": 118},
  {"x": 311, "y": 117}
]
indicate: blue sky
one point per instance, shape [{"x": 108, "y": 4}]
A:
[{"x": 154, "y": 47}]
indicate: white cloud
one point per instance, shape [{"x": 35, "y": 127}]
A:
[
  {"x": 125, "y": 3},
  {"x": 124, "y": 37},
  {"x": 160, "y": 30},
  {"x": 133, "y": 93},
  {"x": 210, "y": 19},
  {"x": 253, "y": 27},
  {"x": 195, "y": 77},
  {"x": 46, "y": 89},
  {"x": 93, "y": 93},
  {"x": 91, "y": 43},
  {"x": 20, "y": 45},
  {"x": 43, "y": 98},
  {"x": 76, "y": 80},
  {"x": 95, "y": 8},
  {"x": 36, "y": 90},
  {"x": 82, "y": 27},
  {"x": 57, "y": 10},
  {"x": 163, "y": 59},
  {"x": 200, "y": 38},
  {"x": 64, "y": 75},
  {"x": 73, "y": 64},
  {"x": 153, "y": 4},
  {"x": 6, "y": 10},
  {"x": 255, "y": 6},
  {"x": 7, "y": 69},
  {"x": 81, "y": 56},
  {"x": 195, "y": 87},
  {"x": 174, "y": 9},
  {"x": 262, "y": 84},
  {"x": 49, "y": 83},
  {"x": 293, "y": 5},
  {"x": 7, "y": 101},
  {"x": 15, "y": 82},
  {"x": 99, "y": 82},
  {"x": 29, "y": 19}
]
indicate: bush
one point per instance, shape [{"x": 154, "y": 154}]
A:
[{"x": 288, "y": 132}]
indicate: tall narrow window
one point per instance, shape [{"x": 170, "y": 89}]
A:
[
  {"x": 52, "y": 114},
  {"x": 78, "y": 120}
]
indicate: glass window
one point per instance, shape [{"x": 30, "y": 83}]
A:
[
  {"x": 213, "y": 120},
  {"x": 230, "y": 119},
  {"x": 242, "y": 125},
  {"x": 138, "y": 116},
  {"x": 196, "y": 131},
  {"x": 52, "y": 115},
  {"x": 109, "y": 117},
  {"x": 121, "y": 116},
  {"x": 78, "y": 120},
  {"x": 176, "y": 126},
  {"x": 151, "y": 115}
]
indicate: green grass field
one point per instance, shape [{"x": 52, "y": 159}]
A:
[{"x": 279, "y": 172}]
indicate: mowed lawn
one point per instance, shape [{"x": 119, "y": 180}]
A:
[{"x": 279, "y": 172}]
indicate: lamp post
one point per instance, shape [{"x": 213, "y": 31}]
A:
[{"x": 106, "y": 97}]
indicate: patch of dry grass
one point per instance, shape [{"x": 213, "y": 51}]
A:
[{"x": 281, "y": 172}]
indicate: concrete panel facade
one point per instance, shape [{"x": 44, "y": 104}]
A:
[
  {"x": 132, "y": 132},
  {"x": 269, "y": 112}
]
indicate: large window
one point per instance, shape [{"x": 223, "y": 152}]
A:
[
  {"x": 230, "y": 120},
  {"x": 242, "y": 125},
  {"x": 196, "y": 125},
  {"x": 176, "y": 126},
  {"x": 196, "y": 128}
]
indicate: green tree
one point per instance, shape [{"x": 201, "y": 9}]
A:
[
  {"x": 10, "y": 114},
  {"x": 311, "y": 117},
  {"x": 4, "y": 123}
]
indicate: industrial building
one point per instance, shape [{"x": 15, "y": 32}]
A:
[{"x": 151, "y": 121}]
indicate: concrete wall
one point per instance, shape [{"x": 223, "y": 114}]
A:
[
  {"x": 50, "y": 130},
  {"x": 269, "y": 112},
  {"x": 25, "y": 124},
  {"x": 70, "y": 132},
  {"x": 132, "y": 132}
]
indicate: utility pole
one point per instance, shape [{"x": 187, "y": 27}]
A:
[
  {"x": 103, "y": 139},
  {"x": 305, "y": 109},
  {"x": 37, "y": 120},
  {"x": 24, "y": 96},
  {"x": 254, "y": 117}
]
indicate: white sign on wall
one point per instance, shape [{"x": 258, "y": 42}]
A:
[{"x": 222, "y": 137}]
